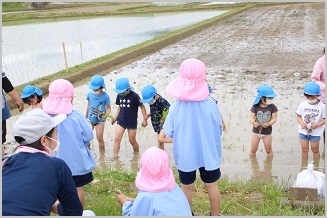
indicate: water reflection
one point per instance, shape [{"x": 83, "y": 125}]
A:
[{"x": 264, "y": 174}]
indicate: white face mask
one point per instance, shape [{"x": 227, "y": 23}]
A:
[
  {"x": 152, "y": 101},
  {"x": 269, "y": 101},
  {"x": 313, "y": 101},
  {"x": 55, "y": 151},
  {"x": 96, "y": 92}
]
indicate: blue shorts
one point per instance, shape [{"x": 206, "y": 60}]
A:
[
  {"x": 211, "y": 176},
  {"x": 82, "y": 180},
  {"x": 309, "y": 137},
  {"x": 126, "y": 126}
]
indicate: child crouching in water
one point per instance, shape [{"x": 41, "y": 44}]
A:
[
  {"x": 311, "y": 119},
  {"x": 263, "y": 116},
  {"x": 32, "y": 96},
  {"x": 159, "y": 194},
  {"x": 158, "y": 106}
]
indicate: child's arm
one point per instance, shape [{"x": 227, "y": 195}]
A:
[
  {"x": 162, "y": 138},
  {"x": 108, "y": 111},
  {"x": 319, "y": 123},
  {"x": 272, "y": 121},
  {"x": 116, "y": 116},
  {"x": 300, "y": 121},
  {"x": 252, "y": 120},
  {"x": 143, "y": 110},
  {"x": 87, "y": 109}
]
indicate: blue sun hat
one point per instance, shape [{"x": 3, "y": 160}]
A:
[
  {"x": 312, "y": 88},
  {"x": 264, "y": 91},
  {"x": 122, "y": 85},
  {"x": 96, "y": 82},
  {"x": 148, "y": 92},
  {"x": 31, "y": 90}
]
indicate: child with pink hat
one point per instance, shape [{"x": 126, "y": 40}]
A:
[
  {"x": 159, "y": 194},
  {"x": 75, "y": 133},
  {"x": 194, "y": 126}
]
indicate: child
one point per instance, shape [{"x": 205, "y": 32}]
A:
[
  {"x": 75, "y": 134},
  {"x": 159, "y": 194},
  {"x": 157, "y": 107},
  {"x": 263, "y": 116},
  {"x": 126, "y": 116},
  {"x": 311, "y": 119},
  {"x": 194, "y": 126},
  {"x": 98, "y": 105},
  {"x": 32, "y": 96}
]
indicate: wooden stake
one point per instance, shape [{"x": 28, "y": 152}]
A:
[{"x": 63, "y": 45}]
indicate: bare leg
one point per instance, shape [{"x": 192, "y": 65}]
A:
[
  {"x": 188, "y": 189},
  {"x": 214, "y": 197},
  {"x": 99, "y": 129},
  {"x": 315, "y": 149},
  {"x": 80, "y": 192},
  {"x": 305, "y": 147},
  {"x": 118, "y": 136},
  {"x": 267, "y": 139},
  {"x": 254, "y": 144},
  {"x": 132, "y": 139}
]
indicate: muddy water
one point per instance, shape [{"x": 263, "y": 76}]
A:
[
  {"x": 238, "y": 59},
  {"x": 35, "y": 50}
]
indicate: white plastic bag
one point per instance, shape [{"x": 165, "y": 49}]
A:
[{"x": 311, "y": 179}]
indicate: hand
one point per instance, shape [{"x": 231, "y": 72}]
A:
[
  {"x": 256, "y": 124},
  {"x": 20, "y": 105},
  {"x": 265, "y": 125},
  {"x": 121, "y": 198},
  {"x": 303, "y": 126},
  {"x": 313, "y": 126},
  {"x": 54, "y": 207},
  {"x": 144, "y": 123},
  {"x": 224, "y": 127}
]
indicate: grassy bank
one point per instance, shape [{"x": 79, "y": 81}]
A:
[{"x": 238, "y": 198}]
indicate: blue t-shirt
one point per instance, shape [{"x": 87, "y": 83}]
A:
[
  {"x": 98, "y": 106},
  {"x": 129, "y": 106},
  {"x": 196, "y": 129},
  {"x": 5, "y": 109},
  {"x": 32, "y": 182},
  {"x": 156, "y": 111}
]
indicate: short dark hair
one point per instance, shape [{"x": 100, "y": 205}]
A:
[
  {"x": 36, "y": 144},
  {"x": 27, "y": 100}
]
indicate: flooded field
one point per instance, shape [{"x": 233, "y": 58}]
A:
[{"x": 277, "y": 45}]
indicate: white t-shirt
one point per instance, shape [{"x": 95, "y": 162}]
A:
[{"x": 311, "y": 113}]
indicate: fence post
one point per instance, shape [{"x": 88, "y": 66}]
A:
[{"x": 63, "y": 45}]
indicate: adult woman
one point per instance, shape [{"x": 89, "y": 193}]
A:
[{"x": 32, "y": 179}]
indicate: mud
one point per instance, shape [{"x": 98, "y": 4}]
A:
[{"x": 277, "y": 45}]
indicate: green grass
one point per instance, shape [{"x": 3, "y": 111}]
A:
[
  {"x": 13, "y": 6},
  {"x": 238, "y": 198}
]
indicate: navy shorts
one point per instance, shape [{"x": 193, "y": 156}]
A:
[
  {"x": 126, "y": 126},
  {"x": 207, "y": 176},
  {"x": 83, "y": 179}
]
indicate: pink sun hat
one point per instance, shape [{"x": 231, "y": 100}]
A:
[
  {"x": 59, "y": 101},
  {"x": 155, "y": 174},
  {"x": 190, "y": 84}
]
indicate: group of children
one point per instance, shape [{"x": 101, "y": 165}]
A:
[{"x": 193, "y": 124}]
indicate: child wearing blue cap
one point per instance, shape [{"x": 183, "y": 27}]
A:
[
  {"x": 158, "y": 105},
  {"x": 311, "y": 119},
  {"x": 263, "y": 116},
  {"x": 126, "y": 116},
  {"x": 32, "y": 96},
  {"x": 98, "y": 106}
]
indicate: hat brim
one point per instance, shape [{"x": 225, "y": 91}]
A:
[
  {"x": 146, "y": 100},
  {"x": 123, "y": 90},
  {"x": 57, "y": 105},
  {"x": 97, "y": 87},
  {"x": 181, "y": 90},
  {"x": 310, "y": 93},
  {"x": 26, "y": 95},
  {"x": 166, "y": 182},
  {"x": 58, "y": 119},
  {"x": 257, "y": 99}
]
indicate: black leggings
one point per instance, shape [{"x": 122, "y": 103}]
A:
[{"x": 4, "y": 131}]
